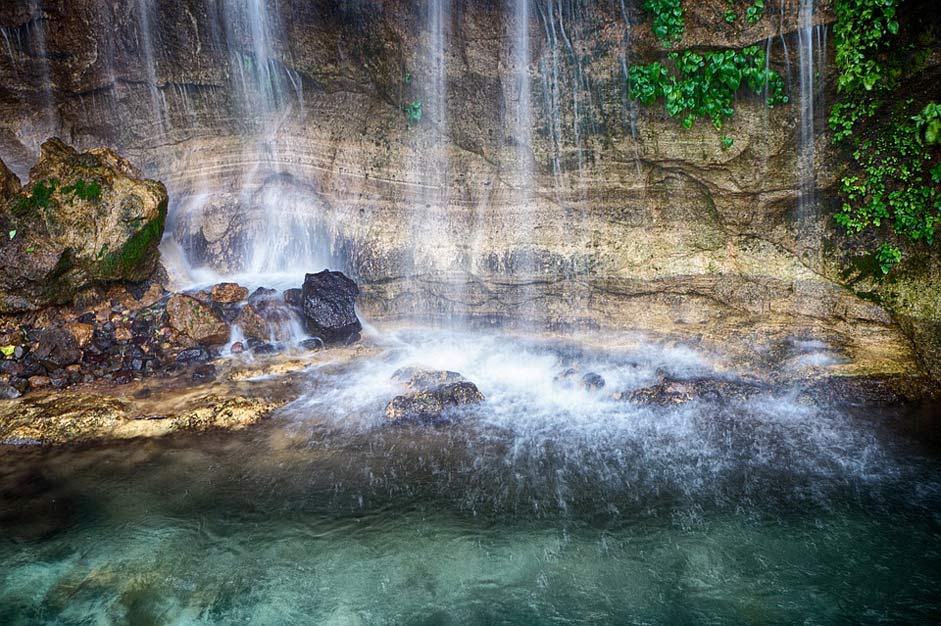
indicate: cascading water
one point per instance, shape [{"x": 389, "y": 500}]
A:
[
  {"x": 146, "y": 22},
  {"x": 812, "y": 44}
]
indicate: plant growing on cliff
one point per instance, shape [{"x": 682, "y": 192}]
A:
[
  {"x": 705, "y": 84},
  {"x": 413, "y": 112},
  {"x": 667, "y": 21},
  {"x": 895, "y": 170}
]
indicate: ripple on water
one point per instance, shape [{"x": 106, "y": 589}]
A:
[{"x": 549, "y": 504}]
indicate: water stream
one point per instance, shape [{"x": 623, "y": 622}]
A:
[{"x": 549, "y": 504}]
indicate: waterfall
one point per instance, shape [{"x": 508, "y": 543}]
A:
[
  {"x": 145, "y": 44},
  {"x": 522, "y": 132},
  {"x": 807, "y": 37}
]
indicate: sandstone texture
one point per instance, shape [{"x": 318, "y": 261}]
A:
[{"x": 606, "y": 215}]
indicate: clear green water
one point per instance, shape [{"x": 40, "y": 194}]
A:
[{"x": 773, "y": 512}]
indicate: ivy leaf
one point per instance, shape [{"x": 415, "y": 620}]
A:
[{"x": 7, "y": 350}]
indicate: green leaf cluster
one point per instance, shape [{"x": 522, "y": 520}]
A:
[
  {"x": 753, "y": 13},
  {"x": 667, "y": 21},
  {"x": 895, "y": 174},
  {"x": 413, "y": 112},
  {"x": 705, "y": 84}
]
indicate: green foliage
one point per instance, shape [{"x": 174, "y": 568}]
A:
[
  {"x": 667, "y": 21},
  {"x": 752, "y": 14},
  {"x": 887, "y": 256},
  {"x": 894, "y": 184},
  {"x": 861, "y": 32},
  {"x": 89, "y": 192},
  {"x": 727, "y": 142},
  {"x": 705, "y": 84},
  {"x": 413, "y": 112},
  {"x": 928, "y": 123},
  {"x": 755, "y": 11},
  {"x": 891, "y": 187}
]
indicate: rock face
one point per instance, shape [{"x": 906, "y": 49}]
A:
[
  {"x": 83, "y": 219},
  {"x": 431, "y": 395},
  {"x": 602, "y": 213},
  {"x": 670, "y": 392},
  {"x": 9, "y": 183},
  {"x": 196, "y": 320},
  {"x": 329, "y": 306}
]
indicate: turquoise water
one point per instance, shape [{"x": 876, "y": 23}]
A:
[{"x": 769, "y": 512}]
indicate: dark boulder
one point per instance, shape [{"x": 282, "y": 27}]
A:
[
  {"x": 329, "y": 307},
  {"x": 431, "y": 395},
  {"x": 57, "y": 348}
]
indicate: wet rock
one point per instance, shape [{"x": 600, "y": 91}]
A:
[
  {"x": 671, "y": 392},
  {"x": 312, "y": 344},
  {"x": 82, "y": 219},
  {"x": 262, "y": 347},
  {"x": 418, "y": 379},
  {"x": 329, "y": 307},
  {"x": 57, "y": 348},
  {"x": 9, "y": 392},
  {"x": 572, "y": 377},
  {"x": 256, "y": 326},
  {"x": 238, "y": 347},
  {"x": 294, "y": 297},
  {"x": 262, "y": 294},
  {"x": 431, "y": 405},
  {"x": 82, "y": 332},
  {"x": 204, "y": 373},
  {"x": 592, "y": 380},
  {"x": 199, "y": 322},
  {"x": 228, "y": 293},
  {"x": 198, "y": 354},
  {"x": 39, "y": 382}
]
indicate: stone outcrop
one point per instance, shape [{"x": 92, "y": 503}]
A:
[
  {"x": 330, "y": 307},
  {"x": 83, "y": 219}
]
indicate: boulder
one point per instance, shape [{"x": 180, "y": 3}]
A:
[
  {"x": 329, "y": 307},
  {"x": 227, "y": 293},
  {"x": 83, "y": 219},
  {"x": 431, "y": 394},
  {"x": 572, "y": 377},
  {"x": 196, "y": 320},
  {"x": 251, "y": 322}
]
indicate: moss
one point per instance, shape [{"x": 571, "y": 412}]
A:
[{"x": 128, "y": 261}]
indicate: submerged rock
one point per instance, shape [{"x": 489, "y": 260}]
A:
[
  {"x": 573, "y": 377},
  {"x": 196, "y": 320},
  {"x": 671, "y": 392},
  {"x": 83, "y": 219},
  {"x": 432, "y": 393},
  {"x": 329, "y": 307}
]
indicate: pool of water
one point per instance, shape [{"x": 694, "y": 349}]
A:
[{"x": 549, "y": 504}]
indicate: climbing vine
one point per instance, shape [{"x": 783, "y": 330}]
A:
[
  {"x": 896, "y": 172},
  {"x": 696, "y": 85},
  {"x": 704, "y": 85},
  {"x": 667, "y": 20}
]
